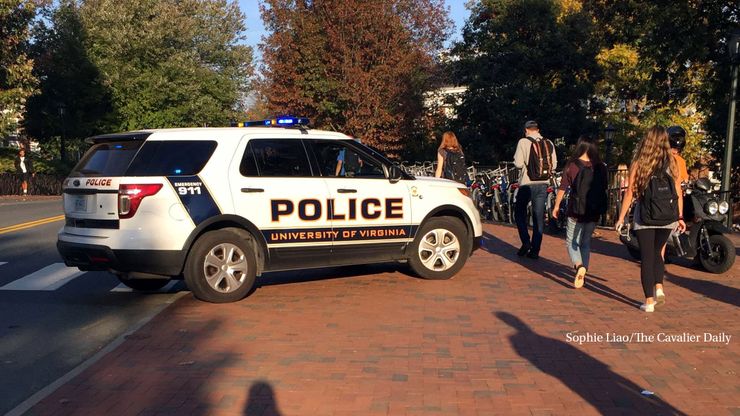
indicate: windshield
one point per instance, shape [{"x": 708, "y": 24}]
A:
[{"x": 107, "y": 159}]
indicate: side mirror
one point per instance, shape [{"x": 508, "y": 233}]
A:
[{"x": 395, "y": 173}]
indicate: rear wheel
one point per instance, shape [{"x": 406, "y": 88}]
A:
[
  {"x": 720, "y": 256},
  {"x": 144, "y": 285},
  {"x": 440, "y": 248},
  {"x": 221, "y": 266}
]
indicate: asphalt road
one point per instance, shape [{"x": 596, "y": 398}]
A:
[{"x": 52, "y": 318}]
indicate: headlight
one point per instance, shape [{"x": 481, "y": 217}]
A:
[
  {"x": 711, "y": 207},
  {"x": 724, "y": 206}
]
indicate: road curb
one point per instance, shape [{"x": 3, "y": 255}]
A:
[{"x": 40, "y": 395}]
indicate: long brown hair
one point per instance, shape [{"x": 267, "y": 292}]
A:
[
  {"x": 449, "y": 141},
  {"x": 653, "y": 153}
]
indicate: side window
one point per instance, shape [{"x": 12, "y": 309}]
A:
[
  {"x": 248, "y": 167},
  {"x": 279, "y": 157},
  {"x": 172, "y": 157},
  {"x": 336, "y": 159}
]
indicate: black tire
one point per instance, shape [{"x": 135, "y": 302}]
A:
[
  {"x": 144, "y": 285},
  {"x": 230, "y": 282},
  {"x": 722, "y": 255},
  {"x": 440, "y": 231}
]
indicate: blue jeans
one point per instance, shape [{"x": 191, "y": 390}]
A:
[
  {"x": 537, "y": 194},
  {"x": 578, "y": 240}
]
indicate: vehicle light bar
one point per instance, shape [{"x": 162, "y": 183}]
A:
[{"x": 283, "y": 121}]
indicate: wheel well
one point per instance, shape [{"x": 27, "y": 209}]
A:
[
  {"x": 448, "y": 211},
  {"x": 452, "y": 212},
  {"x": 257, "y": 242}
]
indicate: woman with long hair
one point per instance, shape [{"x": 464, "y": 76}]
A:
[
  {"x": 449, "y": 145},
  {"x": 586, "y": 205},
  {"x": 652, "y": 160}
]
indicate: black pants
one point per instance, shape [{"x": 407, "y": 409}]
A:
[{"x": 652, "y": 266}]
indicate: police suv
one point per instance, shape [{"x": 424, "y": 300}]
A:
[{"x": 220, "y": 206}]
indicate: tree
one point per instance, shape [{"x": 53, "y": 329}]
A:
[
  {"x": 72, "y": 101},
  {"x": 17, "y": 82},
  {"x": 666, "y": 62},
  {"x": 524, "y": 59},
  {"x": 169, "y": 63},
  {"x": 356, "y": 66}
]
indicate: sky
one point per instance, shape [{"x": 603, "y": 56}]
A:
[{"x": 255, "y": 30}]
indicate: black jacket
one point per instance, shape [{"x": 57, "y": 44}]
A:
[{"x": 28, "y": 163}]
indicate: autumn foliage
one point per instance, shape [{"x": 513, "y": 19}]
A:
[{"x": 357, "y": 66}]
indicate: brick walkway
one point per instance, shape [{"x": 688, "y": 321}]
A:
[{"x": 374, "y": 341}]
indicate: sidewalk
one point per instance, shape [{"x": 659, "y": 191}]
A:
[{"x": 498, "y": 339}]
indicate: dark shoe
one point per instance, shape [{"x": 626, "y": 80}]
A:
[
  {"x": 524, "y": 250},
  {"x": 533, "y": 255}
]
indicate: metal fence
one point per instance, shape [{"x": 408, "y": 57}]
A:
[{"x": 39, "y": 184}]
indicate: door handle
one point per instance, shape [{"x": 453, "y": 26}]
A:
[
  {"x": 252, "y": 190},
  {"x": 347, "y": 191}
]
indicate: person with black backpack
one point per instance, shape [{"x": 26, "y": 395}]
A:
[
  {"x": 587, "y": 177},
  {"x": 655, "y": 183},
  {"x": 535, "y": 156},
  {"x": 451, "y": 160}
]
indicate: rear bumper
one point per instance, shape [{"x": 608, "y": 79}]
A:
[{"x": 98, "y": 257}]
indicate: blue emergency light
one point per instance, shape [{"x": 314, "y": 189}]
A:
[{"x": 282, "y": 121}]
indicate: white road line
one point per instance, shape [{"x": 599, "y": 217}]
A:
[
  {"x": 51, "y": 277},
  {"x": 3, "y": 262},
  {"x": 123, "y": 288}
]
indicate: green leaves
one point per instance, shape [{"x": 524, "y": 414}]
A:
[{"x": 17, "y": 82}]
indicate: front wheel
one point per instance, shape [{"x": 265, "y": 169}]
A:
[
  {"x": 440, "y": 248},
  {"x": 720, "y": 255},
  {"x": 221, "y": 266}
]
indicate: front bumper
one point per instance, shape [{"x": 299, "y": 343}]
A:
[{"x": 89, "y": 257}]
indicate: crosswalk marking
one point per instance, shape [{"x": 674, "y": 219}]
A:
[
  {"x": 50, "y": 277},
  {"x": 123, "y": 288}
]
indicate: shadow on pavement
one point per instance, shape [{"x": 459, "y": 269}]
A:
[
  {"x": 707, "y": 288},
  {"x": 261, "y": 401},
  {"x": 608, "y": 392},
  {"x": 176, "y": 376},
  {"x": 311, "y": 275},
  {"x": 558, "y": 273}
]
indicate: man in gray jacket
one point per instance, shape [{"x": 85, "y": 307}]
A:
[{"x": 532, "y": 190}]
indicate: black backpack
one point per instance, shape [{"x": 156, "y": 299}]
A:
[
  {"x": 659, "y": 203},
  {"x": 539, "y": 166},
  {"x": 589, "y": 198},
  {"x": 454, "y": 167}
]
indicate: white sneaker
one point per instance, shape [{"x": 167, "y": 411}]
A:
[
  {"x": 648, "y": 307},
  {"x": 659, "y": 297}
]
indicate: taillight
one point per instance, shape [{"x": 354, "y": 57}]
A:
[{"x": 130, "y": 196}]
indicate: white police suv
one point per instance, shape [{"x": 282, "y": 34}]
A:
[{"x": 220, "y": 206}]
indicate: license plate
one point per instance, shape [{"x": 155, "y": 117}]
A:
[{"x": 80, "y": 202}]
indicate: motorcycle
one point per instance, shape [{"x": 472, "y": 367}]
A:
[{"x": 704, "y": 240}]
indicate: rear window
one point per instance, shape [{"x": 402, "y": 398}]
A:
[
  {"x": 168, "y": 158},
  {"x": 107, "y": 159}
]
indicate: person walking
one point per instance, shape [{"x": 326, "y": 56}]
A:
[
  {"x": 451, "y": 159},
  {"x": 677, "y": 140},
  {"x": 587, "y": 177},
  {"x": 536, "y": 159},
  {"x": 24, "y": 167},
  {"x": 655, "y": 184}
]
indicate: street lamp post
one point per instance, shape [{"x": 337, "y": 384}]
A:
[
  {"x": 62, "y": 152},
  {"x": 734, "y": 50},
  {"x": 609, "y": 131}
]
